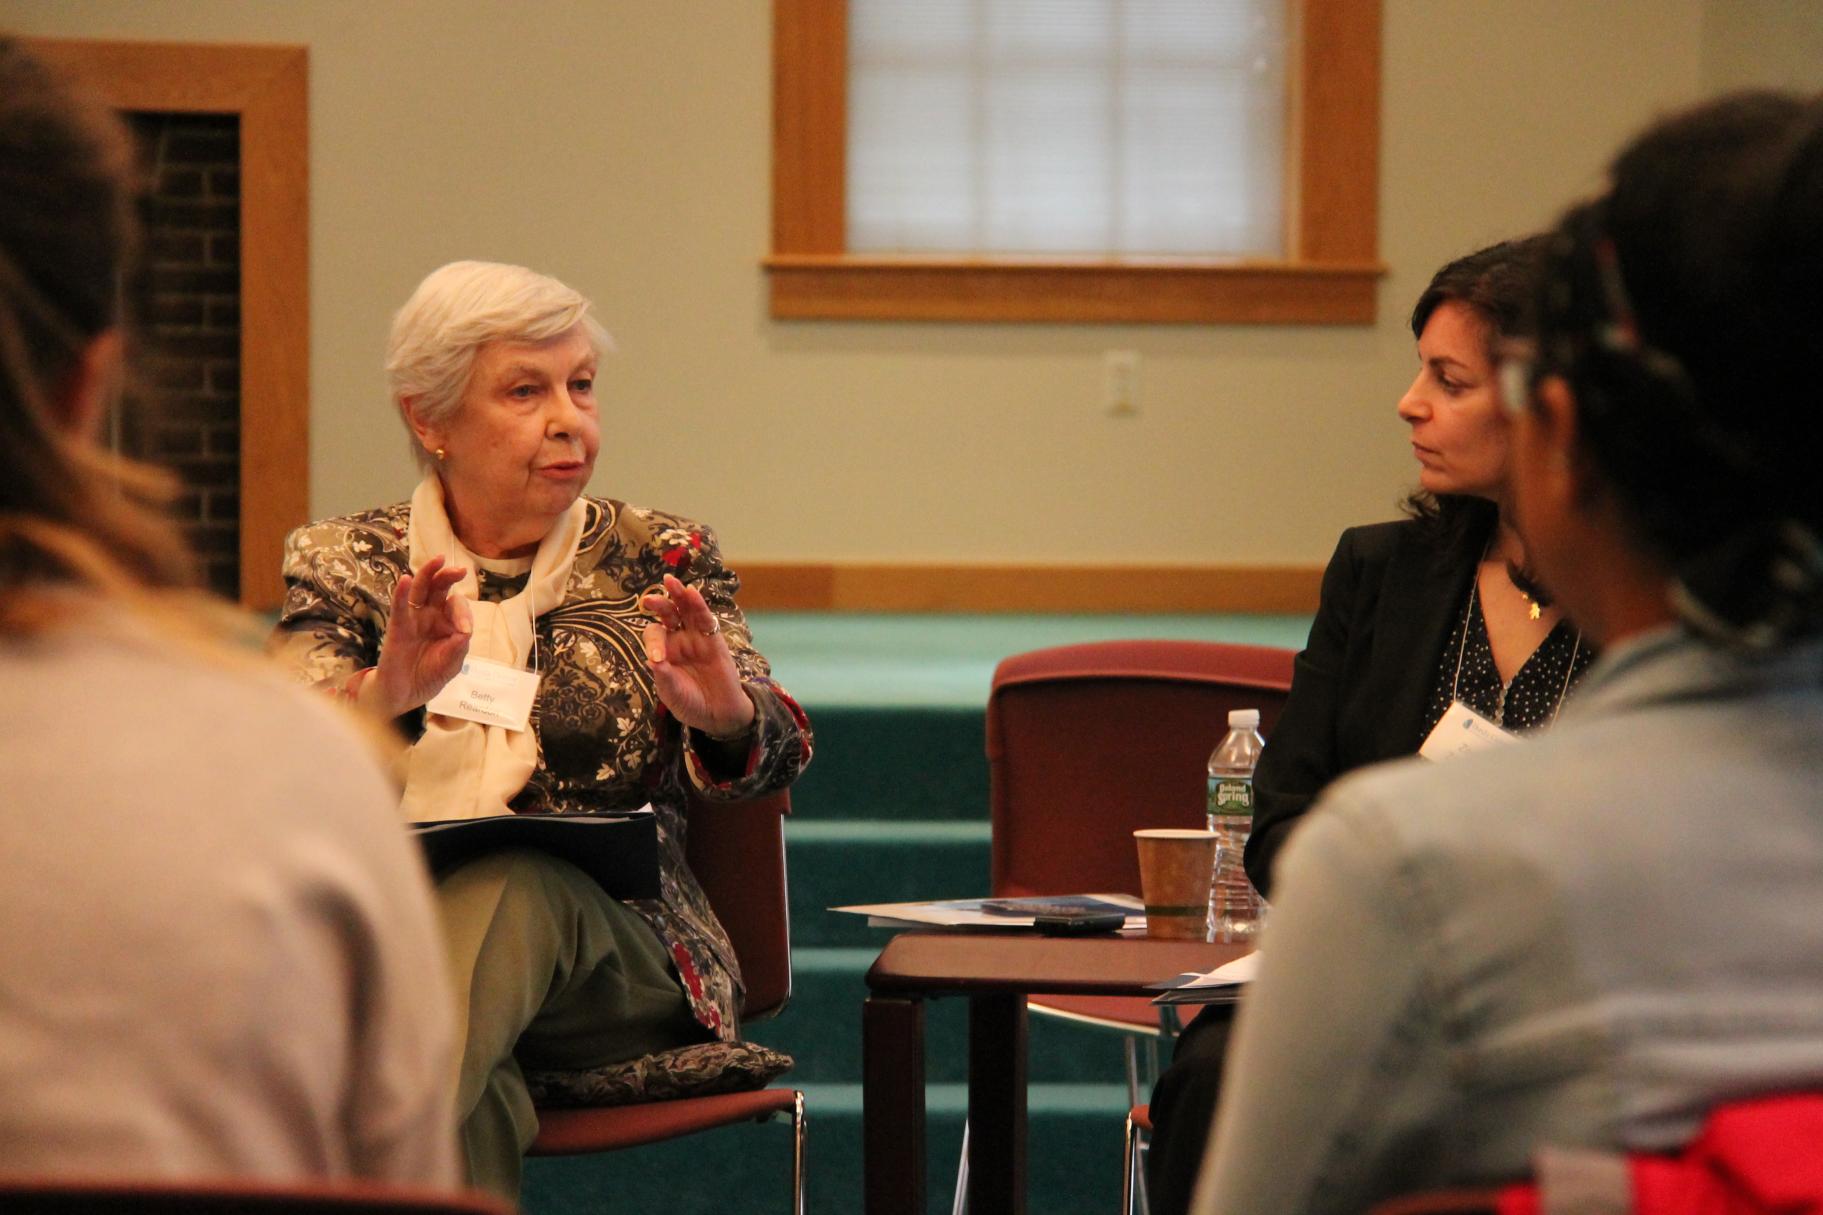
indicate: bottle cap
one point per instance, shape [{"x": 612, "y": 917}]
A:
[{"x": 1243, "y": 719}]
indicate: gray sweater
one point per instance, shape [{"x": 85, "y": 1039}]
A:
[
  {"x": 1587, "y": 940},
  {"x": 218, "y": 953}
]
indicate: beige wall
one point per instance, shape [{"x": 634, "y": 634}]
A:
[
  {"x": 1776, "y": 43},
  {"x": 623, "y": 145}
]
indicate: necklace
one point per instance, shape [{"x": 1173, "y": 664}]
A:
[
  {"x": 1536, "y": 600},
  {"x": 1500, "y": 703}
]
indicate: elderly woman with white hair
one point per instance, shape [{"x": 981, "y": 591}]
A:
[{"x": 647, "y": 686}]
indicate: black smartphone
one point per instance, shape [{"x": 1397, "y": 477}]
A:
[{"x": 1078, "y": 924}]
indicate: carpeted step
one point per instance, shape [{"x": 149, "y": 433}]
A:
[
  {"x": 895, "y": 762},
  {"x": 866, "y": 658},
  {"x": 821, "y": 1029},
  {"x": 1073, "y": 1160},
  {"x": 839, "y": 862}
]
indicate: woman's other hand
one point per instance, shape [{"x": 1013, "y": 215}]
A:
[
  {"x": 691, "y": 664},
  {"x": 426, "y": 639}
]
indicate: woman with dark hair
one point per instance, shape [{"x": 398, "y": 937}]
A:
[
  {"x": 219, "y": 955},
  {"x": 1416, "y": 617},
  {"x": 1592, "y": 941}
]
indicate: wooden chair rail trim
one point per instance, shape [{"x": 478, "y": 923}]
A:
[{"x": 877, "y": 587}]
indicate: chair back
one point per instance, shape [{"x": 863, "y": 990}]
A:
[
  {"x": 1086, "y": 743},
  {"x": 737, "y": 851},
  {"x": 59, "y": 1196}
]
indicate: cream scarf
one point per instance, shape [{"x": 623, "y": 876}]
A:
[{"x": 463, "y": 769}]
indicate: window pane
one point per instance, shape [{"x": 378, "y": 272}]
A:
[
  {"x": 1067, "y": 126},
  {"x": 921, "y": 164}
]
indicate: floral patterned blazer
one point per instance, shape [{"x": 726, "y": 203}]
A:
[{"x": 606, "y": 742}]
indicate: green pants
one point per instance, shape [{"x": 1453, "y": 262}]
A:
[{"x": 549, "y": 972}]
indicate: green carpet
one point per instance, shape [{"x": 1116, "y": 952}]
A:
[
  {"x": 831, "y": 660},
  {"x": 894, "y": 807}
]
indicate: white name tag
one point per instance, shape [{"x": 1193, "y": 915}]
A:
[
  {"x": 1463, "y": 730},
  {"x": 489, "y": 692}
]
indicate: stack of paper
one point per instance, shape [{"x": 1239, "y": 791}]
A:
[
  {"x": 1223, "y": 985},
  {"x": 1000, "y": 914}
]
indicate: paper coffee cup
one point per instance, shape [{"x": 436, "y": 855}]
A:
[{"x": 1175, "y": 865}]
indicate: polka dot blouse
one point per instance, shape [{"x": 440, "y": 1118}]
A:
[{"x": 1531, "y": 701}]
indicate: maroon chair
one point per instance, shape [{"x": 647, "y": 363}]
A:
[
  {"x": 737, "y": 851},
  {"x": 65, "y": 1196},
  {"x": 1085, "y": 744}
]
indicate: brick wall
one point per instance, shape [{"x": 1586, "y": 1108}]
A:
[{"x": 189, "y": 419}]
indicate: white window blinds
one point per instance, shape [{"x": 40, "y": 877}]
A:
[{"x": 1076, "y": 127}]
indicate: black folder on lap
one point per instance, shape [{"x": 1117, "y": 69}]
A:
[{"x": 620, "y": 851}]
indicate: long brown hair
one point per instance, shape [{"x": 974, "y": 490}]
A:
[{"x": 72, "y": 516}]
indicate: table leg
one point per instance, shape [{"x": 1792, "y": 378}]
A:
[
  {"x": 996, "y": 1104},
  {"x": 892, "y": 1105}
]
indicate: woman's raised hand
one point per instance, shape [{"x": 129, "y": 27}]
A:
[
  {"x": 426, "y": 639},
  {"x": 691, "y": 664}
]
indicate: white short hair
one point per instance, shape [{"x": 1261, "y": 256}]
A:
[{"x": 460, "y": 308}]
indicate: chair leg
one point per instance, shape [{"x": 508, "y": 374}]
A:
[
  {"x": 797, "y": 1156},
  {"x": 959, "y": 1205},
  {"x": 1129, "y": 1167},
  {"x": 1140, "y": 1147},
  {"x": 1140, "y": 1079},
  {"x": 1142, "y": 1074},
  {"x": 1132, "y": 1044}
]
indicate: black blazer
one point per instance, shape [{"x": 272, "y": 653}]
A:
[{"x": 1359, "y": 688}]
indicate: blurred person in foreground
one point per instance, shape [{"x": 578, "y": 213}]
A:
[
  {"x": 1593, "y": 940},
  {"x": 1429, "y": 615},
  {"x": 647, "y": 687},
  {"x": 219, "y": 954}
]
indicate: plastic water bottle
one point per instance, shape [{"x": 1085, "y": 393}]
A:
[{"x": 1234, "y": 905}]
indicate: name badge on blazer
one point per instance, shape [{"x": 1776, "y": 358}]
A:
[
  {"x": 489, "y": 692},
  {"x": 1463, "y": 730}
]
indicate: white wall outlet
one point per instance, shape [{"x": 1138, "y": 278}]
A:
[{"x": 1120, "y": 382}]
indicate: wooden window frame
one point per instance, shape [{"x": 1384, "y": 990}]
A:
[
  {"x": 1332, "y": 219},
  {"x": 267, "y": 89}
]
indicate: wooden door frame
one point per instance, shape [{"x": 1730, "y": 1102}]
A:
[{"x": 267, "y": 88}]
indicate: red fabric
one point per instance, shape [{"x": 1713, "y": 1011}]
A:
[
  {"x": 1762, "y": 1157},
  {"x": 1517, "y": 1200}
]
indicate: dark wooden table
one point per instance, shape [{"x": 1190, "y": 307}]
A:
[{"x": 996, "y": 972}]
